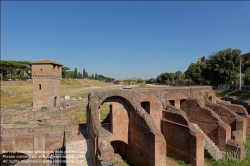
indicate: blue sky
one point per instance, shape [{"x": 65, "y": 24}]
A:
[{"x": 122, "y": 39}]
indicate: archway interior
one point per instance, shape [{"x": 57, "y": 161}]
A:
[
  {"x": 106, "y": 116},
  {"x": 146, "y": 106}
]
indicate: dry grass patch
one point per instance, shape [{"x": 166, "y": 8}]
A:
[
  {"x": 76, "y": 117},
  {"x": 16, "y": 83},
  {"x": 8, "y": 99}
]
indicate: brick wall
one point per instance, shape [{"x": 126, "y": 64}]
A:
[
  {"x": 155, "y": 109},
  {"x": 208, "y": 121},
  {"x": 183, "y": 142}
]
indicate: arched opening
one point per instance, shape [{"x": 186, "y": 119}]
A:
[
  {"x": 210, "y": 98},
  {"x": 146, "y": 106},
  {"x": 114, "y": 117},
  {"x": 172, "y": 102},
  {"x": 106, "y": 116},
  {"x": 121, "y": 152},
  {"x": 182, "y": 101},
  {"x": 55, "y": 101},
  {"x": 12, "y": 158}
]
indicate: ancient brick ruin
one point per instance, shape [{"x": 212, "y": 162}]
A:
[
  {"x": 46, "y": 75},
  {"x": 146, "y": 124}
]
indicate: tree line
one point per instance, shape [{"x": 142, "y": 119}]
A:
[
  {"x": 67, "y": 74},
  {"x": 222, "y": 67},
  {"x": 15, "y": 70}
]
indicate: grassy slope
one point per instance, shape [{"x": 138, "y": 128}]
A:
[
  {"x": 241, "y": 94},
  {"x": 73, "y": 87}
]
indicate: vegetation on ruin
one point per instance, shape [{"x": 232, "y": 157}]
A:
[
  {"x": 43, "y": 124},
  {"x": 121, "y": 162},
  {"x": 21, "y": 122},
  {"x": 230, "y": 160},
  {"x": 179, "y": 162}
]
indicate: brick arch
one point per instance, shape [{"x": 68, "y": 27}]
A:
[
  {"x": 155, "y": 108},
  {"x": 119, "y": 117},
  {"x": 176, "y": 98},
  {"x": 141, "y": 130}
]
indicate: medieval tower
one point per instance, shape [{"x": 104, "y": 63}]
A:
[{"x": 46, "y": 76}]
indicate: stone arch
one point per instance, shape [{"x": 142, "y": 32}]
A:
[
  {"x": 141, "y": 130},
  {"x": 176, "y": 98},
  {"x": 153, "y": 107},
  {"x": 119, "y": 117},
  {"x": 120, "y": 148}
]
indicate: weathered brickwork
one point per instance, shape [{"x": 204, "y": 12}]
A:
[
  {"x": 146, "y": 124},
  {"x": 174, "y": 111},
  {"x": 183, "y": 141},
  {"x": 46, "y": 76},
  {"x": 40, "y": 139},
  {"x": 208, "y": 121},
  {"x": 146, "y": 145}
]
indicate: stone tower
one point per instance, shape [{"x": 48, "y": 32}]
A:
[{"x": 46, "y": 76}]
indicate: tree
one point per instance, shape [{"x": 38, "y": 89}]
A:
[
  {"x": 85, "y": 74},
  {"x": 79, "y": 75},
  {"x": 150, "y": 81},
  {"x": 224, "y": 66},
  {"x": 75, "y": 73},
  {"x": 140, "y": 81},
  {"x": 247, "y": 76},
  {"x": 64, "y": 72},
  {"x": 196, "y": 72}
]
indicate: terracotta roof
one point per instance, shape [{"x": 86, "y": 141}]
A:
[{"x": 46, "y": 61}]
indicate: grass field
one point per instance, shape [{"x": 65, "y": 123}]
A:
[{"x": 24, "y": 89}]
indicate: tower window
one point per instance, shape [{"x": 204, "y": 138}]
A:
[{"x": 40, "y": 86}]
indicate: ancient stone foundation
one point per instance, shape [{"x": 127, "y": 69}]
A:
[{"x": 146, "y": 124}]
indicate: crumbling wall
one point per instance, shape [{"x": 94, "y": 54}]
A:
[
  {"x": 211, "y": 124},
  {"x": 238, "y": 109},
  {"x": 145, "y": 140},
  {"x": 238, "y": 124},
  {"x": 235, "y": 149},
  {"x": 177, "y": 93}
]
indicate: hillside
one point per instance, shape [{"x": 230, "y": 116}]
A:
[{"x": 16, "y": 92}]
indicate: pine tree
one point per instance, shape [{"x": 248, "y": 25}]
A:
[
  {"x": 75, "y": 73},
  {"x": 83, "y": 73}
]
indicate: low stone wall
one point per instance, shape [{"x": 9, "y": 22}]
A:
[
  {"x": 233, "y": 100},
  {"x": 23, "y": 139}
]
